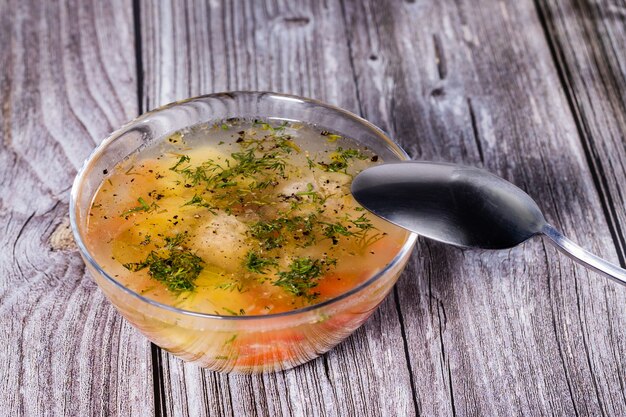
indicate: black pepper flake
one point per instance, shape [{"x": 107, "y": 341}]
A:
[
  {"x": 105, "y": 171},
  {"x": 374, "y": 158}
]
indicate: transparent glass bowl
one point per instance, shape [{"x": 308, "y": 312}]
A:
[{"x": 242, "y": 344}]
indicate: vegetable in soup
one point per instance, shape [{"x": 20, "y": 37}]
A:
[{"x": 240, "y": 218}]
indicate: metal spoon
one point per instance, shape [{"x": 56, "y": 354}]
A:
[{"x": 463, "y": 206}]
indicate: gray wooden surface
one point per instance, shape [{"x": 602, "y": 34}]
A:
[{"x": 533, "y": 91}]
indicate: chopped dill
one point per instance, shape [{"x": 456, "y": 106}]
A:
[
  {"x": 314, "y": 195},
  {"x": 213, "y": 175},
  {"x": 339, "y": 160},
  {"x": 271, "y": 234},
  {"x": 198, "y": 201},
  {"x": 303, "y": 276},
  {"x": 268, "y": 233},
  {"x": 230, "y": 286},
  {"x": 241, "y": 312},
  {"x": 183, "y": 159},
  {"x": 255, "y": 263},
  {"x": 143, "y": 206},
  {"x": 147, "y": 239},
  {"x": 175, "y": 266},
  {"x": 334, "y": 230}
]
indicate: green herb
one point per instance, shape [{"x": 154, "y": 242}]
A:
[
  {"x": 277, "y": 139},
  {"x": 302, "y": 276},
  {"x": 334, "y": 230},
  {"x": 129, "y": 171},
  {"x": 195, "y": 175},
  {"x": 257, "y": 264},
  {"x": 286, "y": 144},
  {"x": 339, "y": 160},
  {"x": 183, "y": 159},
  {"x": 174, "y": 266},
  {"x": 271, "y": 234},
  {"x": 146, "y": 240},
  {"x": 247, "y": 164},
  {"x": 230, "y": 286},
  {"x": 268, "y": 233},
  {"x": 314, "y": 195},
  {"x": 242, "y": 312},
  {"x": 198, "y": 201},
  {"x": 330, "y": 137},
  {"x": 362, "y": 222},
  {"x": 143, "y": 206},
  {"x": 261, "y": 185},
  {"x": 266, "y": 126}
]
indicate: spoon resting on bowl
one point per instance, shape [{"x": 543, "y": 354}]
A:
[{"x": 463, "y": 206}]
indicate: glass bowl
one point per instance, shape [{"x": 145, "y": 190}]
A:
[{"x": 243, "y": 344}]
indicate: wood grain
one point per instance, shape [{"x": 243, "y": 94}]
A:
[
  {"x": 587, "y": 39},
  {"x": 63, "y": 87}
]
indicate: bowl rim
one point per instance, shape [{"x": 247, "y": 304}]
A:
[{"x": 101, "y": 148}]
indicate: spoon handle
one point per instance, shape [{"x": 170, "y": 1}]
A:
[{"x": 584, "y": 257}]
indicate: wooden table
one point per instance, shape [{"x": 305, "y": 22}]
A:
[{"x": 533, "y": 91}]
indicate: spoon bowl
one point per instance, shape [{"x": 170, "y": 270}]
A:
[{"x": 463, "y": 206}]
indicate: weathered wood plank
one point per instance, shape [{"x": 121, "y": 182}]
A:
[
  {"x": 67, "y": 79},
  {"x": 202, "y": 47},
  {"x": 521, "y": 332},
  {"x": 587, "y": 40}
]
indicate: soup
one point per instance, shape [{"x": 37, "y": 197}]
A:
[{"x": 241, "y": 218}]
